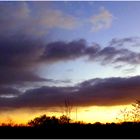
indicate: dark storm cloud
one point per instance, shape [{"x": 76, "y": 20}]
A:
[
  {"x": 20, "y": 51},
  {"x": 20, "y": 45},
  {"x": 18, "y": 59},
  {"x": 102, "y": 92},
  {"x": 61, "y": 51},
  {"x": 9, "y": 91}
]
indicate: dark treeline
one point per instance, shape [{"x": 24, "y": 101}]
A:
[
  {"x": 124, "y": 130},
  {"x": 63, "y": 127},
  {"x": 52, "y": 127}
]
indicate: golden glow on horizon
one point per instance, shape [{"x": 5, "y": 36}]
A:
[{"x": 84, "y": 114}]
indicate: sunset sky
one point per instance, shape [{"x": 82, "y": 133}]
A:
[{"x": 85, "y": 52}]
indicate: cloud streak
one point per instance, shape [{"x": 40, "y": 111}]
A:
[
  {"x": 101, "y": 92},
  {"x": 123, "y": 42},
  {"x": 111, "y": 55}
]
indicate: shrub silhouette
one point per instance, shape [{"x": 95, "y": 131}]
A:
[
  {"x": 136, "y": 111},
  {"x": 64, "y": 120},
  {"x": 130, "y": 114},
  {"x": 44, "y": 121}
]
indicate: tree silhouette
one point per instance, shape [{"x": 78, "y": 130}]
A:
[
  {"x": 64, "y": 119},
  {"x": 44, "y": 121}
]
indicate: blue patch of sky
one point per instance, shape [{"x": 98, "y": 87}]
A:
[
  {"x": 125, "y": 22},
  {"x": 81, "y": 70}
]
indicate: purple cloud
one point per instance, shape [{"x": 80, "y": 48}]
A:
[{"x": 101, "y": 92}]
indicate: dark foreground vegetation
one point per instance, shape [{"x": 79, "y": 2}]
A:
[
  {"x": 126, "y": 130},
  {"x": 63, "y": 127},
  {"x": 51, "y": 127}
]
